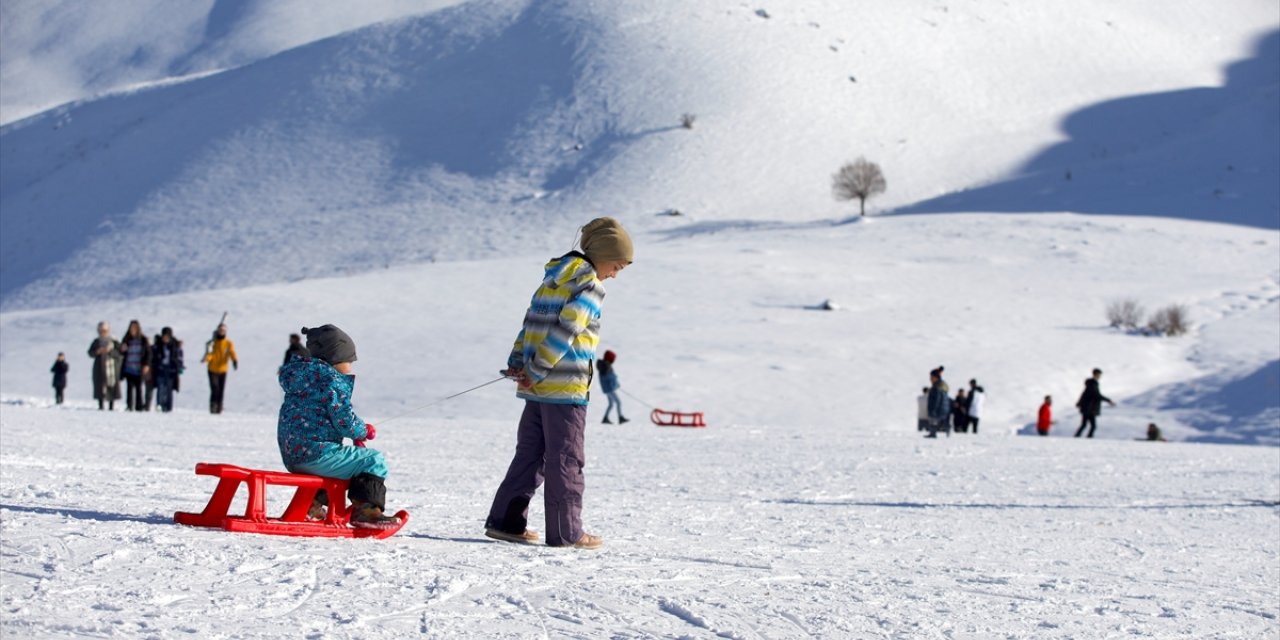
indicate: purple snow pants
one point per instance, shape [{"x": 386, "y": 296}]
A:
[{"x": 548, "y": 445}]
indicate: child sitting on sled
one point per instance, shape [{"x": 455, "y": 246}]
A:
[{"x": 314, "y": 418}]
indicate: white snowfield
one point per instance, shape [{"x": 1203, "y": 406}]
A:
[{"x": 733, "y": 531}]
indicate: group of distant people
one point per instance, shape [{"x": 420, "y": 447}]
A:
[
  {"x": 937, "y": 411},
  {"x": 151, "y": 370}
]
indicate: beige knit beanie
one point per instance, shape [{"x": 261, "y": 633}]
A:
[{"x": 604, "y": 240}]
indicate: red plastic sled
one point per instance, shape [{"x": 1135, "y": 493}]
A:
[
  {"x": 294, "y": 521},
  {"x": 677, "y": 418}
]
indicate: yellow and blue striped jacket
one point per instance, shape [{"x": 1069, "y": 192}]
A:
[{"x": 557, "y": 345}]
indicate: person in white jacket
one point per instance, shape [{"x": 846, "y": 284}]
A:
[
  {"x": 976, "y": 397},
  {"x": 922, "y": 410}
]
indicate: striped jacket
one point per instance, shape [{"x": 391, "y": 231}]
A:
[{"x": 557, "y": 345}]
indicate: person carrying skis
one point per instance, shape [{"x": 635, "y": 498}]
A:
[
  {"x": 551, "y": 364},
  {"x": 314, "y": 418},
  {"x": 609, "y": 384},
  {"x": 218, "y": 353}
]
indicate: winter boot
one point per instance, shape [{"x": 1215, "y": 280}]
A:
[
  {"x": 606, "y": 420},
  {"x": 622, "y": 420},
  {"x": 528, "y": 537},
  {"x": 367, "y": 516},
  {"x": 588, "y": 541}
]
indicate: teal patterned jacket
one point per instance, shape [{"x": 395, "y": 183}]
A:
[{"x": 316, "y": 413}]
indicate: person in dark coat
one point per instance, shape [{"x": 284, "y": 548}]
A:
[
  {"x": 166, "y": 368},
  {"x": 939, "y": 404},
  {"x": 296, "y": 348},
  {"x": 137, "y": 364},
  {"x": 1090, "y": 403},
  {"x": 960, "y": 412},
  {"x": 59, "y": 372},
  {"x": 105, "y": 352}
]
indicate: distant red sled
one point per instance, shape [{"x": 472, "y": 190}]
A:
[
  {"x": 677, "y": 418},
  {"x": 294, "y": 520}
]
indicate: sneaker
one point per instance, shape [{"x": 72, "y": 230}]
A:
[
  {"x": 367, "y": 516},
  {"x": 528, "y": 537},
  {"x": 623, "y": 421},
  {"x": 588, "y": 541},
  {"x": 606, "y": 420}
]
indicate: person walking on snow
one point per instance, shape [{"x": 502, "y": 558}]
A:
[
  {"x": 922, "y": 410},
  {"x": 314, "y": 418},
  {"x": 977, "y": 397},
  {"x": 137, "y": 365},
  {"x": 1090, "y": 403},
  {"x": 1045, "y": 419},
  {"x": 105, "y": 352},
  {"x": 295, "y": 348},
  {"x": 551, "y": 364},
  {"x": 59, "y": 371},
  {"x": 960, "y": 412},
  {"x": 166, "y": 368},
  {"x": 939, "y": 404},
  {"x": 218, "y": 354},
  {"x": 609, "y": 384}
]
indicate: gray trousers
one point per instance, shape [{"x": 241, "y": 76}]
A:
[{"x": 549, "y": 447}]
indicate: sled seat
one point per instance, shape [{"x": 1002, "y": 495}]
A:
[
  {"x": 677, "y": 418},
  {"x": 293, "y": 522}
]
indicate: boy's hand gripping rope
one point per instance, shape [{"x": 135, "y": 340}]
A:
[{"x": 436, "y": 402}]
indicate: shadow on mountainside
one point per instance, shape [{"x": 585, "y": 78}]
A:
[
  {"x": 1200, "y": 153},
  {"x": 403, "y": 125}
]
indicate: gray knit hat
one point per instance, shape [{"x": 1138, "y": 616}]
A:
[
  {"x": 330, "y": 344},
  {"x": 604, "y": 240}
]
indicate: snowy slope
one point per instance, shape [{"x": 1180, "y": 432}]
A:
[{"x": 468, "y": 132}]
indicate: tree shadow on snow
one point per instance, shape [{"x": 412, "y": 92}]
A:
[
  {"x": 85, "y": 514},
  {"x": 1204, "y": 153}
]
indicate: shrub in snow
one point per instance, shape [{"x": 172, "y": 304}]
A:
[
  {"x": 1125, "y": 314},
  {"x": 686, "y": 120},
  {"x": 858, "y": 179},
  {"x": 762, "y": 13},
  {"x": 829, "y": 305},
  {"x": 1172, "y": 320}
]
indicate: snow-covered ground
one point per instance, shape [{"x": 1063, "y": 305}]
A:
[
  {"x": 735, "y": 531},
  {"x": 404, "y": 172}
]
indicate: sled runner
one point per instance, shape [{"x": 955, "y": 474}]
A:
[
  {"x": 294, "y": 521},
  {"x": 677, "y": 418}
]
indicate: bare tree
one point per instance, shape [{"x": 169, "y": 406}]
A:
[{"x": 858, "y": 179}]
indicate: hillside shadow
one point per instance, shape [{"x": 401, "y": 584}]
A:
[
  {"x": 1243, "y": 410},
  {"x": 1199, "y": 153},
  {"x": 1002, "y": 506}
]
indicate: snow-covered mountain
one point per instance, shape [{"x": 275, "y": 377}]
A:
[{"x": 472, "y": 131}]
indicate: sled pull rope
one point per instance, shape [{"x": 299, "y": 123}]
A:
[
  {"x": 436, "y": 402},
  {"x": 637, "y": 399}
]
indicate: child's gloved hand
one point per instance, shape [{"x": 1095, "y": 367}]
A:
[{"x": 372, "y": 433}]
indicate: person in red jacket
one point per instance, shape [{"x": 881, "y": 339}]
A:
[{"x": 1046, "y": 417}]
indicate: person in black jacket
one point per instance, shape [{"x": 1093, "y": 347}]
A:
[
  {"x": 1090, "y": 403},
  {"x": 296, "y": 348},
  {"x": 59, "y": 372},
  {"x": 166, "y": 367}
]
